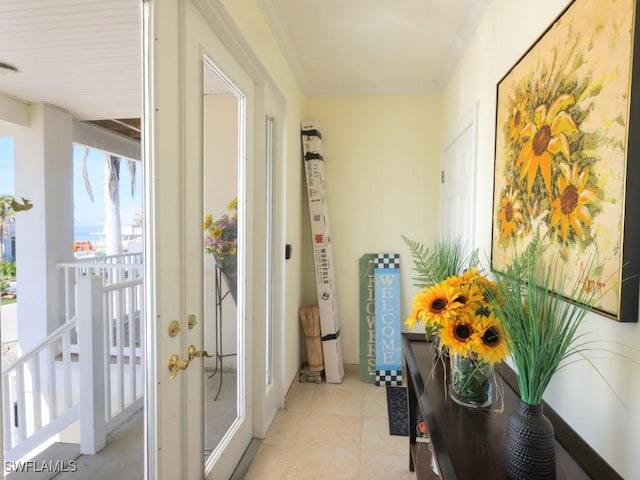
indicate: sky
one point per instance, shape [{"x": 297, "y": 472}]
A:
[
  {"x": 6, "y": 166},
  {"x": 85, "y": 212}
]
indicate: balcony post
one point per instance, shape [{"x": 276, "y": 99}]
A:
[
  {"x": 89, "y": 299},
  {"x": 44, "y": 174}
]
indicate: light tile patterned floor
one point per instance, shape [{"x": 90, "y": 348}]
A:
[{"x": 333, "y": 432}]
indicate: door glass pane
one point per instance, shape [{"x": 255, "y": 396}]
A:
[
  {"x": 223, "y": 150},
  {"x": 269, "y": 248}
]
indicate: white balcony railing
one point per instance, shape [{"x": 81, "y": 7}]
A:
[
  {"x": 122, "y": 275},
  {"x": 90, "y": 369}
]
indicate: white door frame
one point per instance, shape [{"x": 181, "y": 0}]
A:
[{"x": 269, "y": 398}]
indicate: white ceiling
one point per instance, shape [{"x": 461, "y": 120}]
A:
[
  {"x": 85, "y": 55},
  {"x": 355, "y": 47}
]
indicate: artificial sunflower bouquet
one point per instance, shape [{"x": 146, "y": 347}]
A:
[
  {"x": 460, "y": 312},
  {"x": 456, "y": 306},
  {"x": 221, "y": 235}
]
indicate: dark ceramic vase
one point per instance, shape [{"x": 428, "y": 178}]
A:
[{"x": 530, "y": 448}]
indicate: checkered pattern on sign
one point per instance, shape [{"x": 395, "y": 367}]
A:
[
  {"x": 387, "y": 260},
  {"x": 392, "y": 378}
]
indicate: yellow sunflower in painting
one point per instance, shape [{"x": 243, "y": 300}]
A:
[
  {"x": 519, "y": 118},
  {"x": 546, "y": 137},
  {"x": 569, "y": 209},
  {"x": 510, "y": 215}
]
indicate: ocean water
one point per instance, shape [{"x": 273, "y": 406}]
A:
[{"x": 87, "y": 231}]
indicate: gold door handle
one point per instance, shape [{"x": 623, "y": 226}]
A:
[
  {"x": 175, "y": 365},
  {"x": 192, "y": 352}
]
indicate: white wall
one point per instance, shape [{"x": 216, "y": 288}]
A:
[
  {"x": 587, "y": 401},
  {"x": 382, "y": 164}
]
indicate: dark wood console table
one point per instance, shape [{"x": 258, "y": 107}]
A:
[{"x": 468, "y": 444}]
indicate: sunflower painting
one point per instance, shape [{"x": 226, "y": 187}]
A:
[{"x": 562, "y": 136}]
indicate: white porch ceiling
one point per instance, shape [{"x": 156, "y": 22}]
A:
[
  {"x": 85, "y": 55},
  {"x": 82, "y": 55}
]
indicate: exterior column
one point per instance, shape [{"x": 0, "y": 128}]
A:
[
  {"x": 44, "y": 234},
  {"x": 93, "y": 430}
]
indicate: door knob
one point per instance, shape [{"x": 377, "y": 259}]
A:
[
  {"x": 192, "y": 352},
  {"x": 176, "y": 364}
]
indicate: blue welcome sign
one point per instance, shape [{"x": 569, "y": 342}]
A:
[{"x": 388, "y": 319}]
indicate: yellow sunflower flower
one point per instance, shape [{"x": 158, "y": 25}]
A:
[
  {"x": 413, "y": 319},
  {"x": 492, "y": 347},
  {"x": 570, "y": 208},
  {"x": 216, "y": 232},
  {"x": 470, "y": 296},
  {"x": 468, "y": 276},
  {"x": 459, "y": 336},
  {"x": 436, "y": 304},
  {"x": 208, "y": 221},
  {"x": 547, "y": 136}
]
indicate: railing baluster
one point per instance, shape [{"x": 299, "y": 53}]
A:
[
  {"x": 52, "y": 390},
  {"x": 131, "y": 316},
  {"x": 66, "y": 368},
  {"x": 21, "y": 401},
  {"x": 7, "y": 411},
  {"x": 108, "y": 335},
  {"x": 35, "y": 387},
  {"x": 120, "y": 348}
]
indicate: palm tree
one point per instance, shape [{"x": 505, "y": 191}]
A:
[
  {"x": 112, "y": 225},
  {"x": 6, "y": 212}
]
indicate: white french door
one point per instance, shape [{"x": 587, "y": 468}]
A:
[{"x": 186, "y": 60}]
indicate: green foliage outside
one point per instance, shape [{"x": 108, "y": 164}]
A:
[
  {"x": 7, "y": 269},
  {"x": 7, "y": 274}
]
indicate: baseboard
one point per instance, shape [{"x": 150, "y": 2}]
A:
[{"x": 247, "y": 458}]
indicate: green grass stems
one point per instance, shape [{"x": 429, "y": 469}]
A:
[{"x": 541, "y": 327}]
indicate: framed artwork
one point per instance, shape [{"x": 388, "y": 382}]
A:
[{"x": 567, "y": 147}]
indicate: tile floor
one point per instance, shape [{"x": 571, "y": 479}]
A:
[{"x": 332, "y": 432}]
